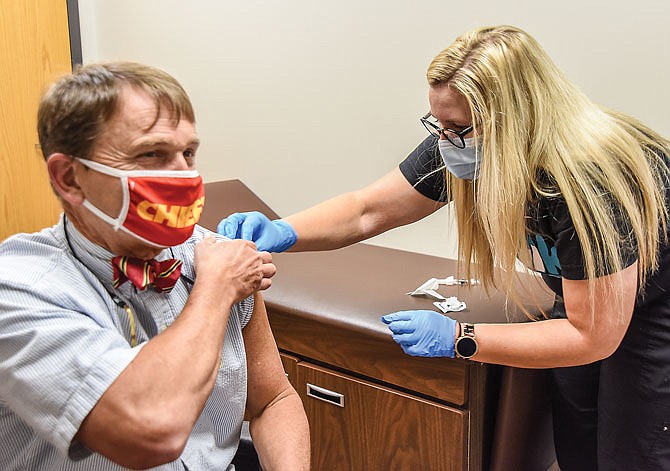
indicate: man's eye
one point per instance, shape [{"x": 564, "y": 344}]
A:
[
  {"x": 189, "y": 153},
  {"x": 151, "y": 153}
]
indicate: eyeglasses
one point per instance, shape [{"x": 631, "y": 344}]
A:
[{"x": 456, "y": 138}]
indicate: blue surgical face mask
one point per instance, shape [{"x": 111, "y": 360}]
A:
[{"x": 461, "y": 163}]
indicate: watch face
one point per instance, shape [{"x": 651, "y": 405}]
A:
[{"x": 466, "y": 347}]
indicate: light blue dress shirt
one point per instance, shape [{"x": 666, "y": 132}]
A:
[{"x": 63, "y": 341}]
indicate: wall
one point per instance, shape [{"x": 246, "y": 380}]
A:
[{"x": 303, "y": 100}]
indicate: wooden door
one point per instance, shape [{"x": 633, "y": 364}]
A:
[
  {"x": 34, "y": 49},
  {"x": 356, "y": 425}
]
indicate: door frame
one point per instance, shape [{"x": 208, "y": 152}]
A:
[{"x": 75, "y": 32}]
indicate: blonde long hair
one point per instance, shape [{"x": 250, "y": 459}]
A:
[{"x": 531, "y": 121}]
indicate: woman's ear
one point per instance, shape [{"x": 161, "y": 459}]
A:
[{"x": 62, "y": 173}]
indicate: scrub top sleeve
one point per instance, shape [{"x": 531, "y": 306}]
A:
[
  {"x": 569, "y": 248},
  {"x": 424, "y": 170}
]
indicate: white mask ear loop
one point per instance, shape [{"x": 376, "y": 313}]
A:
[
  {"x": 117, "y": 222},
  {"x": 125, "y": 204}
]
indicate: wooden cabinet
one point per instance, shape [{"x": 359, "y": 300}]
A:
[
  {"x": 290, "y": 364},
  {"x": 370, "y": 406},
  {"x": 359, "y": 425}
]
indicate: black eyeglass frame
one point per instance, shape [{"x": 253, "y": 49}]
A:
[{"x": 437, "y": 132}]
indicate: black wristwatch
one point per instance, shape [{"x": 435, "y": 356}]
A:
[{"x": 466, "y": 345}]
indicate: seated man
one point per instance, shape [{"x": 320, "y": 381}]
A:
[{"x": 130, "y": 337}]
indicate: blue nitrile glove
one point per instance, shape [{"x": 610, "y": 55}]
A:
[
  {"x": 422, "y": 333},
  {"x": 270, "y": 236}
]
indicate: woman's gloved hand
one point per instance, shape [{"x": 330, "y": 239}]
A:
[
  {"x": 422, "y": 333},
  {"x": 269, "y": 236}
]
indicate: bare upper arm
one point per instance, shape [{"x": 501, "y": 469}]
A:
[
  {"x": 604, "y": 326},
  {"x": 266, "y": 378},
  {"x": 392, "y": 201}
]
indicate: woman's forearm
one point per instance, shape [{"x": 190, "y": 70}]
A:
[{"x": 544, "y": 344}]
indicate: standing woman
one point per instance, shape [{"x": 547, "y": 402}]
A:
[{"x": 529, "y": 161}]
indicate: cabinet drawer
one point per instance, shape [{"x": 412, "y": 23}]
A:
[
  {"x": 356, "y": 425},
  {"x": 290, "y": 364},
  {"x": 373, "y": 356}
]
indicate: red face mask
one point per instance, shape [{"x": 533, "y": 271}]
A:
[{"x": 160, "y": 207}]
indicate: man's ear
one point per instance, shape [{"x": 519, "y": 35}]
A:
[{"x": 63, "y": 177}]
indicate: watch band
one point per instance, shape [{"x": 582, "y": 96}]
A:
[{"x": 468, "y": 329}]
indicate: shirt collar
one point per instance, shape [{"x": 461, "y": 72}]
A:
[{"x": 94, "y": 257}]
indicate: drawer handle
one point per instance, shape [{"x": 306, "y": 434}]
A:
[{"x": 325, "y": 395}]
